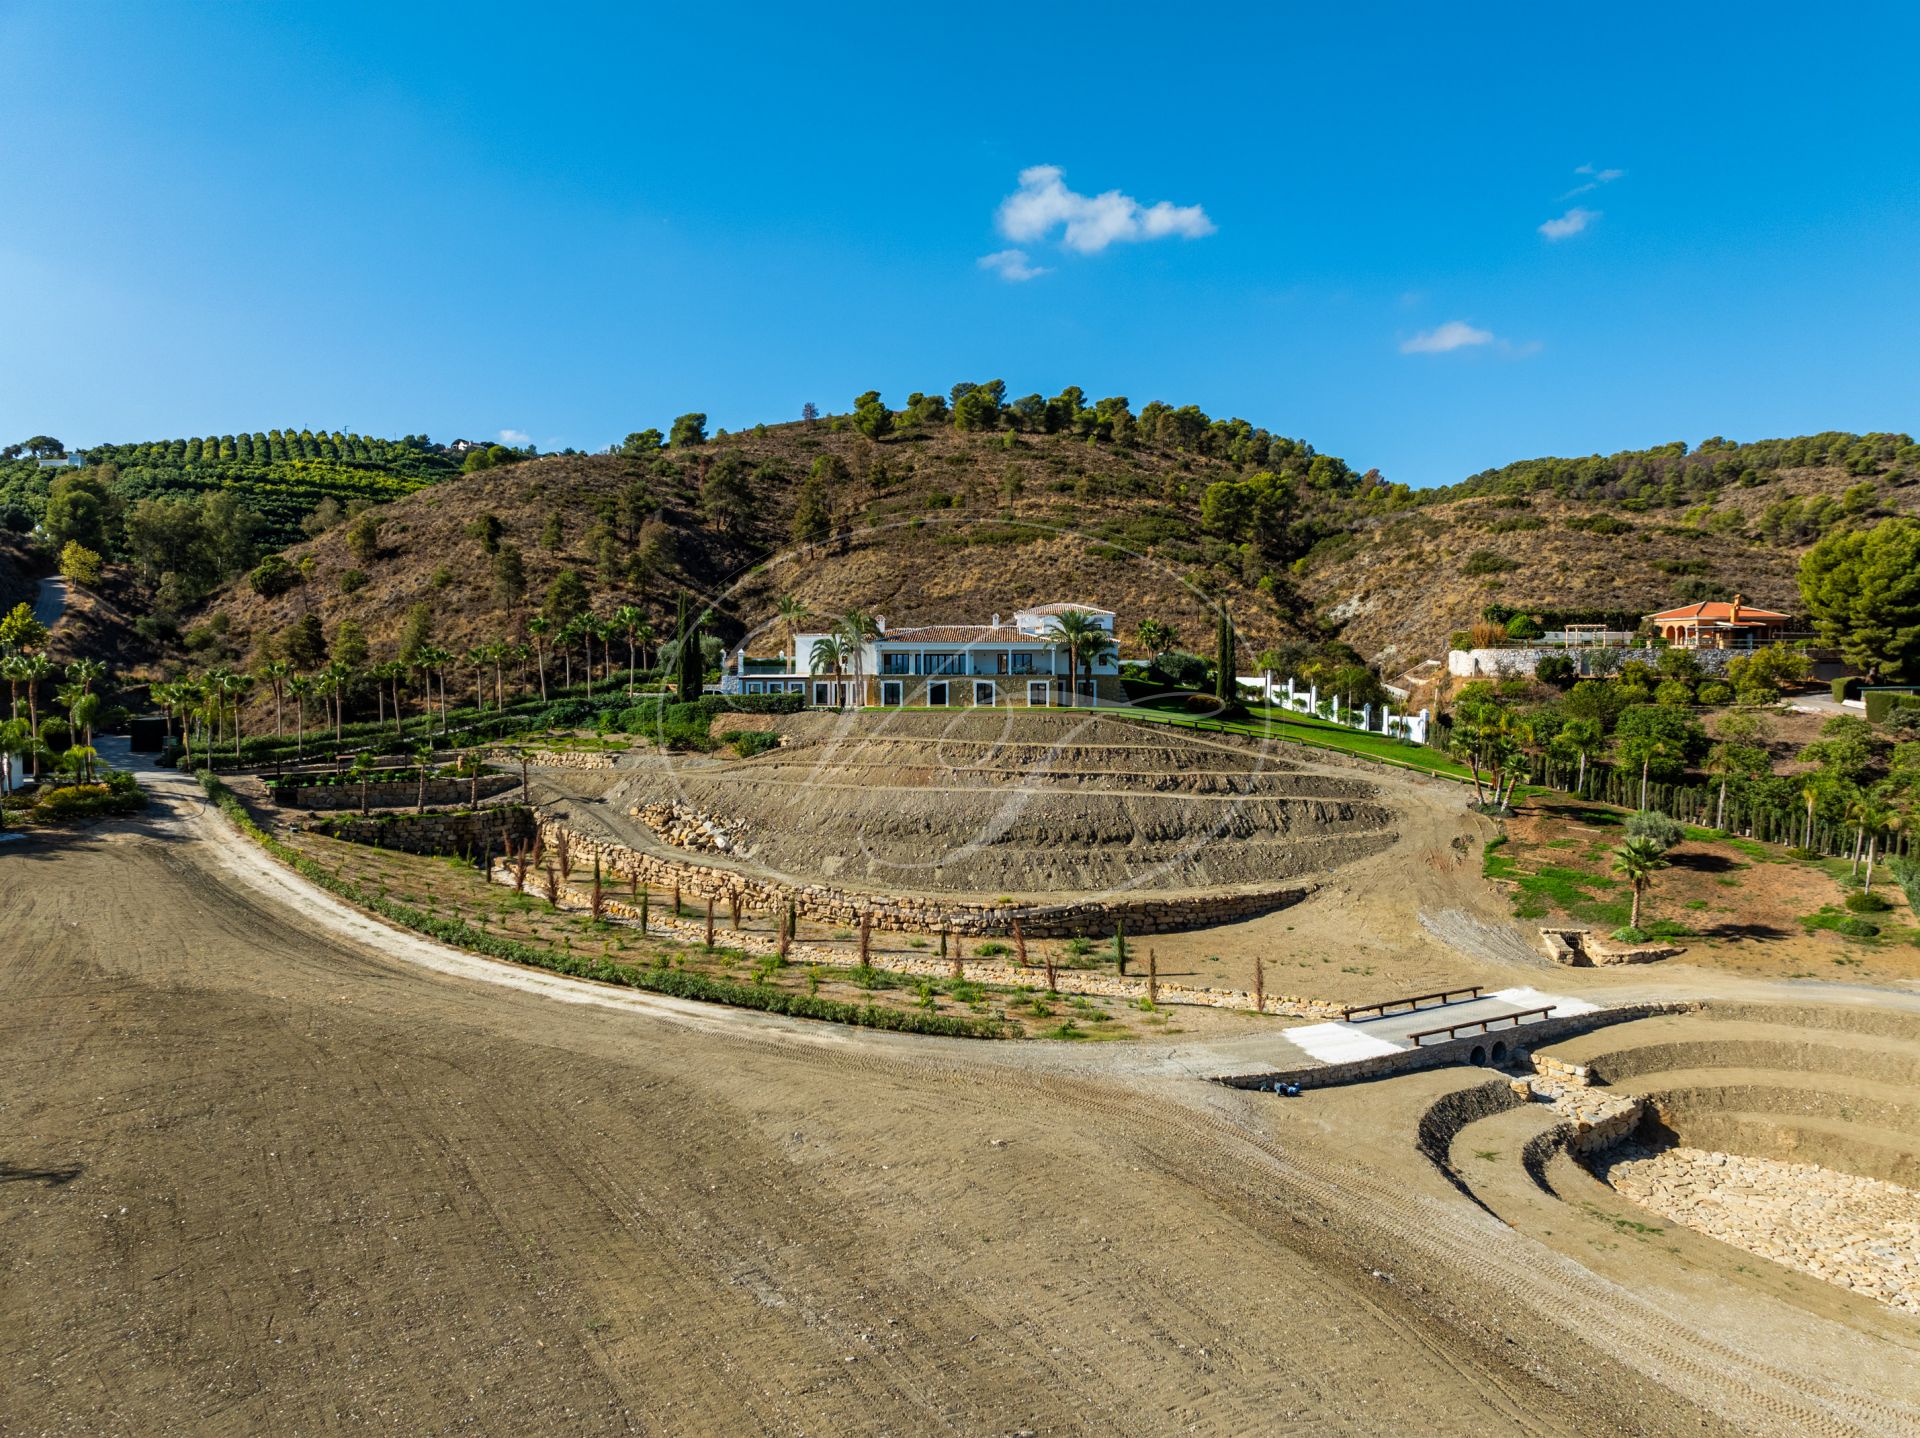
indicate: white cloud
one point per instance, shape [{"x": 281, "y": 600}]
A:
[
  {"x": 1603, "y": 177},
  {"x": 515, "y": 436},
  {"x": 1571, "y": 223},
  {"x": 1011, "y": 265},
  {"x": 1090, "y": 223},
  {"x": 1453, "y": 335}
]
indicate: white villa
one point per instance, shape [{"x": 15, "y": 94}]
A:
[{"x": 942, "y": 665}]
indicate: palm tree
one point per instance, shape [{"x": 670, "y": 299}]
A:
[
  {"x": 476, "y": 659},
  {"x": 858, "y": 629},
  {"x": 301, "y": 687},
  {"x": 85, "y": 671},
  {"x": 436, "y": 660},
  {"x": 793, "y": 613},
  {"x": 829, "y": 657},
  {"x": 628, "y": 619},
  {"x": 1637, "y": 863},
  {"x": 1083, "y": 637},
  {"x": 336, "y": 677},
  {"x": 276, "y": 672},
  {"x": 34, "y": 668},
  {"x": 538, "y": 627},
  {"x": 363, "y": 771},
  {"x": 389, "y": 672},
  {"x": 422, "y": 760},
  {"x": 1157, "y": 638},
  {"x": 13, "y": 738},
  {"x": 232, "y": 688},
  {"x": 497, "y": 653},
  {"x": 13, "y": 669},
  {"x": 1583, "y": 738}
]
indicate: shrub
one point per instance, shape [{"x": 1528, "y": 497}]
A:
[
  {"x": 1858, "y": 928},
  {"x": 1846, "y": 687},
  {"x": 1488, "y": 561},
  {"x": 1522, "y": 626},
  {"x": 1557, "y": 670},
  {"x": 352, "y": 580},
  {"x": 1906, "y": 873},
  {"x": 1674, "y": 693},
  {"x": 1652, "y": 827},
  {"x": 1179, "y": 670},
  {"x": 1882, "y": 704},
  {"x": 1714, "y": 692},
  {"x": 1866, "y": 903},
  {"x": 749, "y": 742},
  {"x": 273, "y": 576}
]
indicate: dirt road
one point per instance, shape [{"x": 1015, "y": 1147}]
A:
[{"x": 263, "y": 1171}]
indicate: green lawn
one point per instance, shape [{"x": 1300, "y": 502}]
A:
[{"x": 1303, "y": 729}]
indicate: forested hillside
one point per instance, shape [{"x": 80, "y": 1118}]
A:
[{"x": 950, "y": 506}]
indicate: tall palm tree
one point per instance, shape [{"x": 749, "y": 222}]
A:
[
  {"x": 85, "y": 672},
  {"x": 34, "y": 669},
  {"x": 858, "y": 629},
  {"x": 437, "y": 662},
  {"x": 13, "y": 739},
  {"x": 233, "y": 688},
  {"x": 476, "y": 660},
  {"x": 829, "y": 656},
  {"x": 627, "y": 620},
  {"x": 301, "y": 687},
  {"x": 422, "y": 761},
  {"x": 793, "y": 612},
  {"x": 1638, "y": 861},
  {"x": 538, "y": 627},
  {"x": 1084, "y": 638},
  {"x": 13, "y": 669},
  {"x": 336, "y": 676},
  {"x": 276, "y": 672}
]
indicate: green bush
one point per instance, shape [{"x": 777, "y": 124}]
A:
[
  {"x": 1674, "y": 693},
  {"x": 1858, "y": 928},
  {"x": 352, "y": 581},
  {"x": 1714, "y": 692},
  {"x": 1847, "y": 686},
  {"x": 1865, "y": 903},
  {"x": 1881, "y": 703},
  {"x": 749, "y": 742}
]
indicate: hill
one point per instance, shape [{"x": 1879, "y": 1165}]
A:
[
  {"x": 957, "y": 510},
  {"x": 1396, "y": 587},
  {"x": 923, "y": 524}
]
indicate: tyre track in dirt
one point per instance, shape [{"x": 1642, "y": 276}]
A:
[{"x": 1047, "y": 1283}]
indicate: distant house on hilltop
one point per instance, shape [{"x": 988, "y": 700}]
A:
[
  {"x": 942, "y": 666},
  {"x": 1716, "y": 624}
]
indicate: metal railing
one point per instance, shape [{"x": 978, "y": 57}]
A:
[{"x": 1483, "y": 1025}]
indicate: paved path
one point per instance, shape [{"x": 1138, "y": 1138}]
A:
[{"x": 50, "y": 601}]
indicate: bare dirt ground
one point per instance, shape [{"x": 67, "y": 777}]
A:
[
  {"x": 269, "y": 1167},
  {"x": 1066, "y": 807}
]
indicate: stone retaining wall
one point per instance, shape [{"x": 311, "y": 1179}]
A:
[
  {"x": 392, "y": 794},
  {"x": 986, "y": 971},
  {"x": 825, "y": 903},
  {"x": 554, "y": 758},
  {"x": 1582, "y": 948},
  {"x": 468, "y": 832}
]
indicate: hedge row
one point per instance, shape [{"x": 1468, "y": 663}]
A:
[{"x": 675, "y": 983}]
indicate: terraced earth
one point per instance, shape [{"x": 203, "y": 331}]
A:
[{"x": 1017, "y": 803}]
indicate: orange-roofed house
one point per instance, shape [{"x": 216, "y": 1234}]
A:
[{"x": 1716, "y": 624}]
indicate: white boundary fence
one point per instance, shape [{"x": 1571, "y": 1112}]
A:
[{"x": 1411, "y": 727}]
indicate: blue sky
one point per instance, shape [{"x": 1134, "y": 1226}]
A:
[{"x": 574, "y": 222}]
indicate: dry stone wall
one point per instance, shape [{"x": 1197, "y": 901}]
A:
[
  {"x": 985, "y": 971},
  {"x": 391, "y": 794},
  {"x": 826, "y": 903},
  {"x": 472, "y": 832}
]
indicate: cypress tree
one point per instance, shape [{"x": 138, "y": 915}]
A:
[
  {"x": 1224, "y": 687},
  {"x": 688, "y": 669}
]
